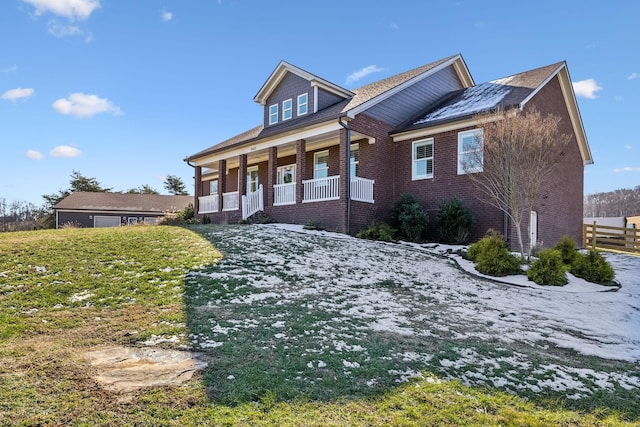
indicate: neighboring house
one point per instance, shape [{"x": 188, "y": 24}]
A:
[
  {"x": 99, "y": 209},
  {"x": 342, "y": 157}
]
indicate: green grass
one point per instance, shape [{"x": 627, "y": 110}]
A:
[{"x": 281, "y": 362}]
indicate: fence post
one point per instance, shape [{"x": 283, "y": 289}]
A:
[{"x": 593, "y": 234}]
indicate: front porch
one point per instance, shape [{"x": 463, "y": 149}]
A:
[{"x": 297, "y": 181}]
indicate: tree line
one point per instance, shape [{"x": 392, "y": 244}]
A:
[
  {"x": 20, "y": 215},
  {"x": 623, "y": 202}
]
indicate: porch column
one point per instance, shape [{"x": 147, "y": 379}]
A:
[
  {"x": 271, "y": 175},
  {"x": 301, "y": 160},
  {"x": 198, "y": 189},
  {"x": 242, "y": 178},
  {"x": 222, "y": 181},
  {"x": 345, "y": 176}
]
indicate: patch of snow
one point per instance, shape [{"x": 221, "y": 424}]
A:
[{"x": 81, "y": 296}]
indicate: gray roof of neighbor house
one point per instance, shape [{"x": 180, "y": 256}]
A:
[
  {"x": 362, "y": 95},
  {"x": 152, "y": 203},
  {"x": 505, "y": 93}
]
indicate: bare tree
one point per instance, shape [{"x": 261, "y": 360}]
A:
[{"x": 519, "y": 150}]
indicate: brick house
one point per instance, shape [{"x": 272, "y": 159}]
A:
[{"x": 342, "y": 157}]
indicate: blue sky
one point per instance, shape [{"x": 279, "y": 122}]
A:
[{"x": 122, "y": 91}]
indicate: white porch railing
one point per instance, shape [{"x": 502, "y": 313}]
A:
[
  {"x": 208, "y": 204},
  {"x": 230, "y": 201},
  {"x": 362, "y": 189},
  {"x": 252, "y": 203},
  {"x": 316, "y": 190},
  {"x": 284, "y": 194}
]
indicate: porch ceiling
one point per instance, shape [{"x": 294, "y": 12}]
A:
[{"x": 256, "y": 154}]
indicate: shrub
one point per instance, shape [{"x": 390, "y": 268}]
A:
[
  {"x": 313, "y": 225},
  {"x": 548, "y": 269},
  {"x": 206, "y": 219},
  {"x": 377, "y": 231},
  {"x": 492, "y": 256},
  {"x": 567, "y": 248},
  {"x": 187, "y": 213},
  {"x": 592, "y": 267},
  {"x": 408, "y": 218},
  {"x": 455, "y": 221}
]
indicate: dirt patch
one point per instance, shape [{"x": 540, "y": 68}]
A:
[{"x": 126, "y": 369}]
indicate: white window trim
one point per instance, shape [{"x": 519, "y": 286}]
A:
[
  {"x": 249, "y": 170},
  {"x": 273, "y": 113},
  {"x": 354, "y": 172},
  {"x": 461, "y": 153},
  {"x": 414, "y": 161},
  {"x": 285, "y": 109},
  {"x": 305, "y": 103},
  {"x": 280, "y": 175},
  {"x": 211, "y": 184},
  {"x": 315, "y": 162}
]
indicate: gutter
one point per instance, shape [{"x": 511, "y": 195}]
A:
[{"x": 348, "y": 167}]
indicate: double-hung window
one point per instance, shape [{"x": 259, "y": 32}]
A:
[
  {"x": 422, "y": 167},
  {"x": 252, "y": 179},
  {"x": 213, "y": 187},
  {"x": 287, "y": 109},
  {"x": 354, "y": 160},
  {"x": 303, "y": 104},
  {"x": 321, "y": 165},
  {"x": 273, "y": 114},
  {"x": 470, "y": 157}
]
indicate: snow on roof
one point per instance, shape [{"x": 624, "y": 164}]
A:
[{"x": 476, "y": 99}]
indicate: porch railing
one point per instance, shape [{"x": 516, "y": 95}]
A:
[
  {"x": 321, "y": 189},
  {"x": 284, "y": 194},
  {"x": 252, "y": 203},
  {"x": 208, "y": 204},
  {"x": 362, "y": 189},
  {"x": 230, "y": 201}
]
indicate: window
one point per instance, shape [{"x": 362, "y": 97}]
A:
[
  {"x": 303, "y": 102},
  {"x": 213, "y": 187},
  {"x": 354, "y": 160},
  {"x": 252, "y": 179},
  {"x": 286, "y": 174},
  {"x": 422, "y": 167},
  {"x": 470, "y": 152},
  {"x": 321, "y": 164},
  {"x": 273, "y": 114},
  {"x": 287, "y": 109}
]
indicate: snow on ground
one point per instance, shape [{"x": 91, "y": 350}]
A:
[
  {"x": 583, "y": 316},
  {"x": 417, "y": 293}
]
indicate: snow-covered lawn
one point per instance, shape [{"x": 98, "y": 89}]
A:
[{"x": 325, "y": 308}]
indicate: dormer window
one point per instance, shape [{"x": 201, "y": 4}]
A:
[
  {"x": 303, "y": 102},
  {"x": 273, "y": 114},
  {"x": 287, "y": 109}
]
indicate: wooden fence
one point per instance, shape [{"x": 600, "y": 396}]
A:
[{"x": 606, "y": 237}]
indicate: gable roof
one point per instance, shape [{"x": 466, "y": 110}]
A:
[
  {"x": 282, "y": 69},
  {"x": 359, "y": 100},
  {"x": 99, "y": 201},
  {"x": 505, "y": 93}
]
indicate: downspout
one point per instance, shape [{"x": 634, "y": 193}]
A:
[
  {"x": 196, "y": 201},
  {"x": 348, "y": 176}
]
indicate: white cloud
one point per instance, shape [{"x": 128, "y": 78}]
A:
[
  {"x": 357, "y": 75},
  {"x": 18, "y": 93},
  {"x": 633, "y": 76},
  {"x": 82, "y": 105},
  {"x": 586, "y": 88},
  {"x": 72, "y": 9},
  {"x": 60, "y": 31},
  {"x": 65, "y": 151},
  {"x": 628, "y": 147},
  {"x": 618, "y": 98},
  {"x": 11, "y": 69},
  {"x": 34, "y": 155},
  {"x": 627, "y": 169},
  {"x": 393, "y": 26},
  {"x": 166, "y": 16}
]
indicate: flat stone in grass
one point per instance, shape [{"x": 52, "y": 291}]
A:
[{"x": 126, "y": 369}]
